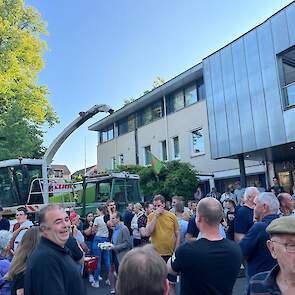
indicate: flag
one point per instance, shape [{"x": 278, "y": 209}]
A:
[{"x": 156, "y": 164}]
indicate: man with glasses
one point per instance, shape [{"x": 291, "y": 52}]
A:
[
  {"x": 279, "y": 280},
  {"x": 22, "y": 225},
  {"x": 286, "y": 204}
]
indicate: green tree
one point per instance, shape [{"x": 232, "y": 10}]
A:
[
  {"x": 21, "y": 52},
  {"x": 19, "y": 138},
  {"x": 158, "y": 81},
  {"x": 175, "y": 178}
]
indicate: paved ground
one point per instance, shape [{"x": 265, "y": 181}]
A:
[{"x": 239, "y": 288}]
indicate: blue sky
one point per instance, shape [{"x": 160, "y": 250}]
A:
[{"x": 106, "y": 51}]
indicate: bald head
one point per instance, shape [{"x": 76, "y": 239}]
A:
[{"x": 210, "y": 209}]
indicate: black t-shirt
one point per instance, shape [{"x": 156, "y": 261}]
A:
[
  {"x": 17, "y": 283},
  {"x": 192, "y": 227},
  {"x": 51, "y": 270},
  {"x": 207, "y": 267},
  {"x": 75, "y": 251},
  {"x": 230, "y": 216},
  {"x": 88, "y": 238},
  {"x": 107, "y": 218}
]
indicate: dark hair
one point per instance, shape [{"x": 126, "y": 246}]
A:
[
  {"x": 232, "y": 202},
  {"x": 110, "y": 201},
  {"x": 142, "y": 271},
  {"x": 159, "y": 198},
  {"x": 179, "y": 207},
  {"x": 44, "y": 210},
  {"x": 146, "y": 205},
  {"x": 102, "y": 209},
  {"x": 118, "y": 215},
  {"x": 23, "y": 209}
]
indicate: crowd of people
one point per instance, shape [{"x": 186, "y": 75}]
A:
[{"x": 200, "y": 248}]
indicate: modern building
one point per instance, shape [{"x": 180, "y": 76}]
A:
[
  {"x": 230, "y": 116},
  {"x": 250, "y": 91}
]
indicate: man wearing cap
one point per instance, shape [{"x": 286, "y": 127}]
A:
[
  {"x": 4, "y": 222},
  {"x": 280, "y": 279}
]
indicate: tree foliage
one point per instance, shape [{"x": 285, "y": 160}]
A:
[
  {"x": 158, "y": 81},
  {"x": 21, "y": 52},
  {"x": 175, "y": 178}
]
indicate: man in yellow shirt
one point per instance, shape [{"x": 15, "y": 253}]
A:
[{"x": 163, "y": 228}]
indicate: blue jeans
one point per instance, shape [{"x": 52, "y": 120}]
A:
[
  {"x": 89, "y": 245},
  {"x": 101, "y": 254}
]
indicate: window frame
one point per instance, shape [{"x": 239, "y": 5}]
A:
[
  {"x": 193, "y": 152},
  {"x": 145, "y": 163},
  {"x": 162, "y": 152},
  {"x": 173, "y": 148},
  {"x": 282, "y": 78}
]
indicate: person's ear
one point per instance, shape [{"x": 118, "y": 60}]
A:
[
  {"x": 270, "y": 246},
  {"x": 166, "y": 287}
]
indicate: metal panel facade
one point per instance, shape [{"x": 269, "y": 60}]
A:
[
  {"x": 230, "y": 97},
  {"x": 210, "y": 109},
  {"x": 247, "y": 97},
  {"x": 259, "y": 113},
  {"x": 219, "y": 105}
]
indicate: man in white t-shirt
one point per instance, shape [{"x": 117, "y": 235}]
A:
[{"x": 22, "y": 225}]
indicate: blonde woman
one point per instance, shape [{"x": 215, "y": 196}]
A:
[{"x": 19, "y": 261}]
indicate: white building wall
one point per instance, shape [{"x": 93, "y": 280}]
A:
[
  {"x": 180, "y": 124},
  {"x": 122, "y": 145}
]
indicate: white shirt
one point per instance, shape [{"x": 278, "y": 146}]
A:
[
  {"x": 101, "y": 227},
  {"x": 19, "y": 237}
]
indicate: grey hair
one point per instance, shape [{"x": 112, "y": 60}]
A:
[
  {"x": 270, "y": 200},
  {"x": 250, "y": 191}
]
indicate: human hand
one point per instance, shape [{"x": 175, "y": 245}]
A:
[{"x": 159, "y": 211}]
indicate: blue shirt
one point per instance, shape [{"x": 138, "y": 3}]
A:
[
  {"x": 254, "y": 248},
  {"x": 4, "y": 224},
  {"x": 243, "y": 220},
  {"x": 116, "y": 234},
  {"x": 182, "y": 228}
]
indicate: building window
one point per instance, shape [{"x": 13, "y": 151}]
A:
[
  {"x": 178, "y": 101},
  {"x": 131, "y": 123},
  {"x": 147, "y": 155},
  {"x": 288, "y": 68},
  {"x": 190, "y": 94},
  {"x": 198, "y": 145},
  {"x": 107, "y": 134},
  {"x": 157, "y": 110},
  {"x": 114, "y": 163},
  {"x": 147, "y": 115},
  {"x": 123, "y": 126},
  {"x": 175, "y": 145},
  {"x": 201, "y": 90},
  {"x": 121, "y": 159},
  {"x": 164, "y": 150}
]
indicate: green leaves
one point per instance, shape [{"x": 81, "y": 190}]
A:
[
  {"x": 21, "y": 53},
  {"x": 175, "y": 178}
]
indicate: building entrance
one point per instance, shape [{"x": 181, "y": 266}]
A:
[{"x": 285, "y": 171}]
